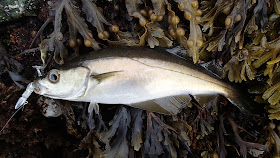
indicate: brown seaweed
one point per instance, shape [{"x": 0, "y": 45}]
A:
[
  {"x": 242, "y": 35},
  {"x": 118, "y": 146}
]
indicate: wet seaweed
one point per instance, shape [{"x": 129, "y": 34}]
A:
[{"x": 242, "y": 35}]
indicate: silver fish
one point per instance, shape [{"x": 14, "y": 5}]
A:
[{"x": 149, "y": 79}]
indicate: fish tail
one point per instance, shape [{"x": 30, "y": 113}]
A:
[{"x": 243, "y": 101}]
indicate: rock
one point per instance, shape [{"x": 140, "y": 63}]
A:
[
  {"x": 14, "y": 9},
  {"x": 49, "y": 107}
]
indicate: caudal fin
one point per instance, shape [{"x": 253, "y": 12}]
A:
[{"x": 244, "y": 102}]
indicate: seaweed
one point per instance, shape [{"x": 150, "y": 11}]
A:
[
  {"x": 156, "y": 36},
  {"x": 240, "y": 66},
  {"x": 154, "y": 137},
  {"x": 268, "y": 55},
  {"x": 133, "y": 10},
  {"x": 153, "y": 33},
  {"x": 11, "y": 67},
  {"x": 95, "y": 17},
  {"x": 241, "y": 35},
  {"x": 273, "y": 138},
  {"x": 212, "y": 10},
  {"x": 159, "y": 9},
  {"x": 92, "y": 143},
  {"x": 118, "y": 146},
  {"x": 128, "y": 39},
  {"x": 136, "y": 137},
  {"x": 77, "y": 25},
  {"x": 70, "y": 118},
  {"x": 192, "y": 14},
  {"x": 243, "y": 144}
]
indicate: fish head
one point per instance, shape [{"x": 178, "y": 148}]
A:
[{"x": 63, "y": 84}]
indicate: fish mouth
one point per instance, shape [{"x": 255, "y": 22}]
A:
[
  {"x": 42, "y": 90},
  {"x": 39, "y": 88}
]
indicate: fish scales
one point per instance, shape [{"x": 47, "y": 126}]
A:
[
  {"x": 155, "y": 58},
  {"x": 156, "y": 79}
]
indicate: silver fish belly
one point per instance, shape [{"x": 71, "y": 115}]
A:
[{"x": 149, "y": 79}]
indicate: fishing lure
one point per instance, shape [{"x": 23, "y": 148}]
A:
[{"x": 23, "y": 99}]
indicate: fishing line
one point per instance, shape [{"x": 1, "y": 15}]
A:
[{"x": 21, "y": 107}]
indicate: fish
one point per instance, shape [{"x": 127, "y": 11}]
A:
[{"x": 140, "y": 77}]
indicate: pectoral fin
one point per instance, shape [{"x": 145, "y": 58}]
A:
[
  {"x": 103, "y": 76},
  {"x": 167, "y": 105},
  {"x": 93, "y": 106}
]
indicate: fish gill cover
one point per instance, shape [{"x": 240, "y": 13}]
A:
[{"x": 241, "y": 35}]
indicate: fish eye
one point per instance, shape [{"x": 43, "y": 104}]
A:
[{"x": 53, "y": 77}]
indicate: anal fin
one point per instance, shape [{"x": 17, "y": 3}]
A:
[
  {"x": 166, "y": 105},
  {"x": 150, "y": 105},
  {"x": 205, "y": 98}
]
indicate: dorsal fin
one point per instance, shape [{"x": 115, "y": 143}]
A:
[
  {"x": 214, "y": 67},
  {"x": 167, "y": 105}
]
